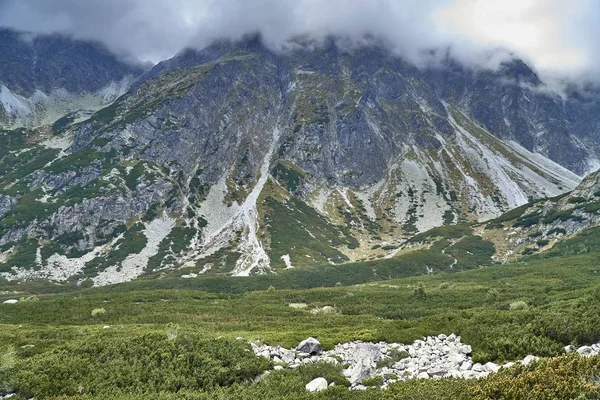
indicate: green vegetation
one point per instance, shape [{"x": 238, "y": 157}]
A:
[
  {"x": 448, "y": 232},
  {"x": 61, "y": 124},
  {"x": 298, "y": 230},
  {"x": 146, "y": 364},
  {"x": 133, "y": 241},
  {"x": 160, "y": 341},
  {"x": 288, "y": 175}
]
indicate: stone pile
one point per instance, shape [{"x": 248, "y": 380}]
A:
[{"x": 433, "y": 357}]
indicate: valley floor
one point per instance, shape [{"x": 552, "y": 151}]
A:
[{"x": 158, "y": 338}]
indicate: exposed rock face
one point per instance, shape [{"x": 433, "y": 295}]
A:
[
  {"x": 44, "y": 77},
  {"x": 347, "y": 152}
]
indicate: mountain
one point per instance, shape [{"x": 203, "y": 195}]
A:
[
  {"x": 45, "y": 77},
  {"x": 238, "y": 160},
  {"x": 557, "y": 226}
]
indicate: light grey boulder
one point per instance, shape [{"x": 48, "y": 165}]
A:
[
  {"x": 363, "y": 362},
  {"x": 585, "y": 350},
  {"x": 466, "y": 365},
  {"x": 569, "y": 349},
  {"x": 310, "y": 346},
  {"x": 478, "y": 368},
  {"x": 10, "y": 301},
  {"x": 437, "y": 372},
  {"x": 491, "y": 367},
  {"x": 423, "y": 375},
  {"x": 465, "y": 349},
  {"x": 288, "y": 357},
  {"x": 316, "y": 385},
  {"x": 529, "y": 359}
]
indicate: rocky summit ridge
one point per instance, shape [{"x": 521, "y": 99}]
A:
[
  {"x": 46, "y": 77},
  {"x": 240, "y": 160}
]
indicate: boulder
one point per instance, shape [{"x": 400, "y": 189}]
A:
[
  {"x": 288, "y": 357},
  {"x": 478, "y": 368},
  {"x": 569, "y": 349},
  {"x": 310, "y": 346},
  {"x": 363, "y": 362},
  {"x": 466, "y": 365},
  {"x": 585, "y": 350},
  {"x": 436, "y": 372},
  {"x": 465, "y": 349},
  {"x": 316, "y": 385},
  {"x": 10, "y": 301},
  {"x": 529, "y": 359},
  {"x": 423, "y": 375},
  {"x": 491, "y": 367}
]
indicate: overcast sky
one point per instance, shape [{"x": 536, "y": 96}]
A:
[{"x": 555, "y": 36}]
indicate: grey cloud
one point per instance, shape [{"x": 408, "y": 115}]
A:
[{"x": 157, "y": 29}]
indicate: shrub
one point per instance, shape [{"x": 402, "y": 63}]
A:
[
  {"x": 375, "y": 381},
  {"x": 566, "y": 377},
  {"x": 419, "y": 292},
  {"x": 558, "y": 231},
  {"x": 518, "y": 305},
  {"x": 98, "y": 311},
  {"x": 543, "y": 242},
  {"x": 111, "y": 367},
  {"x": 394, "y": 356}
]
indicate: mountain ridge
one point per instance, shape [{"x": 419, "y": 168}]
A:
[
  {"x": 45, "y": 77},
  {"x": 252, "y": 161}
]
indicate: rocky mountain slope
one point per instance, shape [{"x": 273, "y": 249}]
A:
[
  {"x": 240, "y": 160},
  {"x": 45, "y": 77},
  {"x": 539, "y": 227}
]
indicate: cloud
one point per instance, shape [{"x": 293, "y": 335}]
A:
[{"x": 552, "y": 35}]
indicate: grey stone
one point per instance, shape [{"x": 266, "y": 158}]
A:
[
  {"x": 310, "y": 346},
  {"x": 317, "y": 385}
]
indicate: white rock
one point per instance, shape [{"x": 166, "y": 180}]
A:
[
  {"x": 529, "y": 359},
  {"x": 466, "y": 365},
  {"x": 465, "y": 349},
  {"x": 266, "y": 354},
  {"x": 278, "y": 368},
  {"x": 423, "y": 375},
  {"x": 585, "y": 350},
  {"x": 10, "y": 301},
  {"x": 288, "y": 357},
  {"x": 436, "y": 371},
  {"x": 569, "y": 349},
  {"x": 478, "y": 368},
  {"x": 491, "y": 367},
  {"x": 317, "y": 385},
  {"x": 456, "y": 358}
]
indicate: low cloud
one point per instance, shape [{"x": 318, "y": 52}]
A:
[{"x": 557, "y": 38}]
